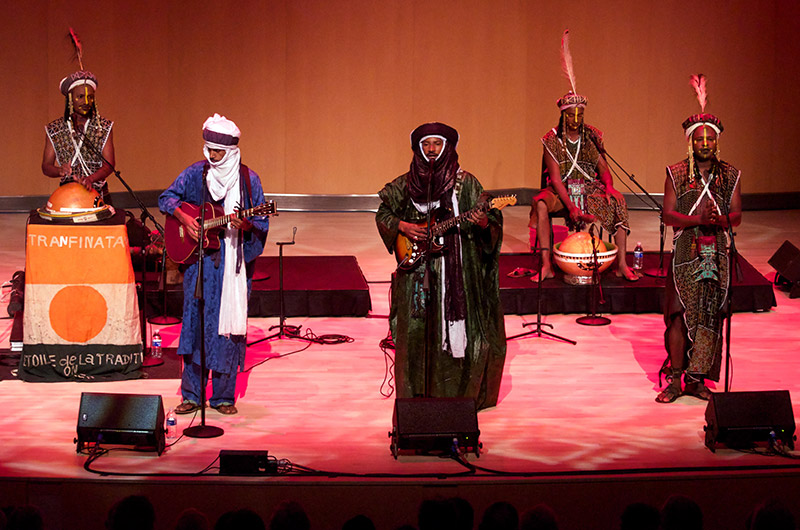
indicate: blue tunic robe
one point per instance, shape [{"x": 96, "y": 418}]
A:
[{"x": 223, "y": 354}]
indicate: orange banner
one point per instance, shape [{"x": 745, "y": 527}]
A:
[
  {"x": 66, "y": 254},
  {"x": 80, "y": 302}
]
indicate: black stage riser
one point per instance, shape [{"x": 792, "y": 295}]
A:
[
  {"x": 341, "y": 290},
  {"x": 519, "y": 295}
]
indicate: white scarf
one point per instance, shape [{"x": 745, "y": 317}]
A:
[
  {"x": 455, "y": 329},
  {"x": 223, "y": 181}
]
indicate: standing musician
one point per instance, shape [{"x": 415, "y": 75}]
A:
[
  {"x": 223, "y": 180},
  {"x": 702, "y": 198},
  {"x": 465, "y": 337},
  {"x": 75, "y": 141}
]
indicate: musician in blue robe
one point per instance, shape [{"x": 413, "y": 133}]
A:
[
  {"x": 223, "y": 180},
  {"x": 464, "y": 338}
]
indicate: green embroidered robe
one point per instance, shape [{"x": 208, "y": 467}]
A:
[
  {"x": 478, "y": 374},
  {"x": 702, "y": 300}
]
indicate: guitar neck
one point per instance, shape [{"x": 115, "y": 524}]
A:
[
  {"x": 440, "y": 228},
  {"x": 225, "y": 219}
]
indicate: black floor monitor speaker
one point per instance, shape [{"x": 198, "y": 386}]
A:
[
  {"x": 434, "y": 425},
  {"x": 786, "y": 261},
  {"x": 246, "y": 462},
  {"x": 742, "y": 419},
  {"x": 121, "y": 419}
]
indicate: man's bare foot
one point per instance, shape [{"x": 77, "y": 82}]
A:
[
  {"x": 669, "y": 394},
  {"x": 627, "y": 273},
  {"x": 547, "y": 273}
]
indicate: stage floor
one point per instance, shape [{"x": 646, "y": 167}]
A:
[{"x": 576, "y": 427}]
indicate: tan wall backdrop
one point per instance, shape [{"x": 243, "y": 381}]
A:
[{"x": 326, "y": 92}]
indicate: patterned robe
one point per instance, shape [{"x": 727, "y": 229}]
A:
[
  {"x": 479, "y": 373},
  {"x": 96, "y": 134},
  {"x": 223, "y": 354},
  {"x": 700, "y": 274},
  {"x": 580, "y": 177}
]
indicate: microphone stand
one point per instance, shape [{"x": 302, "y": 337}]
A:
[
  {"x": 539, "y": 324},
  {"x": 593, "y": 319},
  {"x": 202, "y": 430},
  {"x": 733, "y": 263},
  {"x": 293, "y": 331},
  {"x": 426, "y": 287},
  {"x": 147, "y": 359},
  {"x": 660, "y": 271}
]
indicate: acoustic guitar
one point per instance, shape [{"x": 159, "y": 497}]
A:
[
  {"x": 409, "y": 252},
  {"x": 181, "y": 248}
]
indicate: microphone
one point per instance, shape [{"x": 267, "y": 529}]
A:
[
  {"x": 597, "y": 143},
  {"x": 282, "y": 243}
]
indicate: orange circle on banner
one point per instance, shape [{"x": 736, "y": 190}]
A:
[{"x": 78, "y": 313}]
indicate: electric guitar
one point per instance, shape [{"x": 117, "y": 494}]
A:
[
  {"x": 181, "y": 248},
  {"x": 409, "y": 252}
]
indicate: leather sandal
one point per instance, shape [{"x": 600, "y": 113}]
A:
[
  {"x": 187, "y": 407},
  {"x": 226, "y": 409},
  {"x": 668, "y": 395},
  {"x": 698, "y": 390},
  {"x": 520, "y": 272}
]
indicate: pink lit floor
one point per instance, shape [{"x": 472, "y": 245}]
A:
[{"x": 583, "y": 417}]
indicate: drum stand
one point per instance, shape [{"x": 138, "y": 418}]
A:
[
  {"x": 593, "y": 319},
  {"x": 538, "y": 331},
  {"x": 148, "y": 359},
  {"x": 164, "y": 319}
]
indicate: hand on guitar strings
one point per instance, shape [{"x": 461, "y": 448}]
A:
[
  {"x": 479, "y": 218},
  {"x": 242, "y": 223},
  {"x": 191, "y": 224},
  {"x": 413, "y": 231}
]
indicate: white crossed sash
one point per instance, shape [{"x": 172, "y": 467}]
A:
[{"x": 706, "y": 191}]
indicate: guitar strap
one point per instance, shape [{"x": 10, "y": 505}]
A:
[{"x": 244, "y": 175}]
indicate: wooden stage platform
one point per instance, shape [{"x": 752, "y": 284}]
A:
[{"x": 576, "y": 427}]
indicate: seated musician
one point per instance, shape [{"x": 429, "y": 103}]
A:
[
  {"x": 465, "y": 339},
  {"x": 579, "y": 185},
  {"x": 227, "y": 272}
]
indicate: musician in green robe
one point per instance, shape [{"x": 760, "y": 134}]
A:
[{"x": 457, "y": 322}]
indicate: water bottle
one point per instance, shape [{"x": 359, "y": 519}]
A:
[
  {"x": 172, "y": 425},
  {"x": 638, "y": 256},
  {"x": 155, "y": 345}
]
